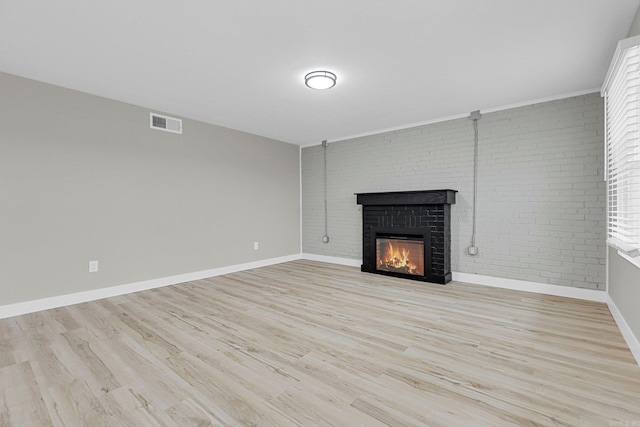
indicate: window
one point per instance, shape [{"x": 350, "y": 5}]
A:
[{"x": 621, "y": 90}]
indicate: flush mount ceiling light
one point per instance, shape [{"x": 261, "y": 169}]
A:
[{"x": 320, "y": 80}]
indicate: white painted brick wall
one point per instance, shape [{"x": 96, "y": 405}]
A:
[{"x": 541, "y": 194}]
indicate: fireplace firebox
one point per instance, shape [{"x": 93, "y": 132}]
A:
[
  {"x": 407, "y": 234},
  {"x": 400, "y": 255},
  {"x": 403, "y": 252}
]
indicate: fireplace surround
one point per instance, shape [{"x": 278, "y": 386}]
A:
[{"x": 407, "y": 234}]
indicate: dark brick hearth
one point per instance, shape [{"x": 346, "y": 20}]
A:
[{"x": 425, "y": 214}]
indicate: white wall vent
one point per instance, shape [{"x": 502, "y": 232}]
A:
[{"x": 168, "y": 124}]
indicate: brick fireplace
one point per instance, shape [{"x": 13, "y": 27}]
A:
[{"x": 407, "y": 234}]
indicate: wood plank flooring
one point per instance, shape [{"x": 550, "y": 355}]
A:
[{"x": 306, "y": 343}]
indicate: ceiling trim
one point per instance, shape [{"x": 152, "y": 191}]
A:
[{"x": 461, "y": 116}]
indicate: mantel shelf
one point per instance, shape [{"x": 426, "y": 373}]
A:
[{"x": 421, "y": 197}]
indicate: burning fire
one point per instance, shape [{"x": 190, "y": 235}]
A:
[{"x": 397, "y": 258}]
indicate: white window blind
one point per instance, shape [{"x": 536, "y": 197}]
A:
[{"x": 622, "y": 138}]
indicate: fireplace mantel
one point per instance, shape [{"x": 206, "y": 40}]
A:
[
  {"x": 424, "y": 197},
  {"x": 426, "y": 213}
]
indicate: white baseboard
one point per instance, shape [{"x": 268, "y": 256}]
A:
[
  {"x": 627, "y": 333},
  {"x": 496, "y": 282},
  {"x": 542, "y": 288},
  {"x": 112, "y": 291},
  {"x": 539, "y": 288},
  {"x": 522, "y": 285},
  {"x": 333, "y": 260}
]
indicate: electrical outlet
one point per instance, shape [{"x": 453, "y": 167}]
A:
[
  {"x": 473, "y": 250},
  {"x": 325, "y": 238},
  {"x": 256, "y": 246},
  {"x": 93, "y": 266}
]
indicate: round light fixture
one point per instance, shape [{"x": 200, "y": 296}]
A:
[{"x": 320, "y": 80}]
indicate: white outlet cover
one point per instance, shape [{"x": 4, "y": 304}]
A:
[
  {"x": 256, "y": 246},
  {"x": 93, "y": 266}
]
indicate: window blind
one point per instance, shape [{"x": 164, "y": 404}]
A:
[{"x": 622, "y": 141}]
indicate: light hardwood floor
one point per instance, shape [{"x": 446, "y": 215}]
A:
[{"x": 306, "y": 343}]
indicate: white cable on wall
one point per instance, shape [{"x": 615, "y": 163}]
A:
[
  {"x": 325, "y": 238},
  {"x": 475, "y": 116}
]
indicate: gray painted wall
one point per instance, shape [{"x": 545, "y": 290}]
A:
[
  {"x": 84, "y": 178},
  {"x": 635, "y": 26},
  {"x": 624, "y": 277},
  {"x": 541, "y": 201},
  {"x": 624, "y": 289}
]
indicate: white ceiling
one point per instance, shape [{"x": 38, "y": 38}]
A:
[{"x": 240, "y": 64}]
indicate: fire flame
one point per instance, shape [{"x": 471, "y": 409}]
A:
[{"x": 397, "y": 258}]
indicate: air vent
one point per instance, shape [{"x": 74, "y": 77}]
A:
[{"x": 168, "y": 124}]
